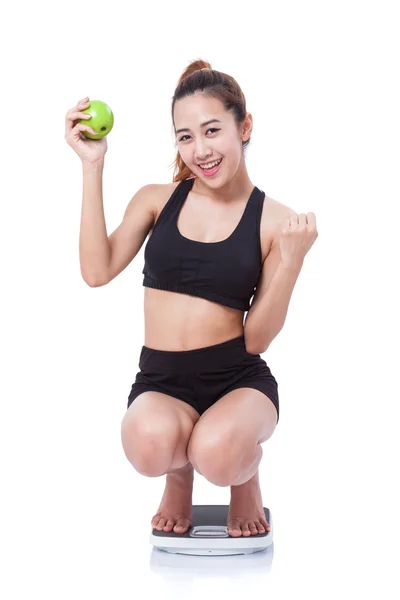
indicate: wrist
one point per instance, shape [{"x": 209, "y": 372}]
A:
[
  {"x": 97, "y": 165},
  {"x": 293, "y": 266}
]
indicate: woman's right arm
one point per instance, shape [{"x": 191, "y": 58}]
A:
[{"x": 101, "y": 257}]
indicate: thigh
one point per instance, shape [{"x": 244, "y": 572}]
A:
[
  {"x": 155, "y": 428},
  {"x": 151, "y": 407},
  {"x": 237, "y": 422}
]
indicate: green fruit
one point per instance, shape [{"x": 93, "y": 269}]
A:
[{"x": 102, "y": 119}]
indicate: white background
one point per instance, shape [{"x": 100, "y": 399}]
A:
[{"x": 320, "y": 81}]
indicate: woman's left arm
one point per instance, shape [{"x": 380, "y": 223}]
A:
[{"x": 281, "y": 268}]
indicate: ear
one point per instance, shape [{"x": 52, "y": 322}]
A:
[{"x": 247, "y": 127}]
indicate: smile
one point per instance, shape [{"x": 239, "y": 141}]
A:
[{"x": 212, "y": 170}]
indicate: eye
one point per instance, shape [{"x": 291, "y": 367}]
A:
[{"x": 211, "y": 129}]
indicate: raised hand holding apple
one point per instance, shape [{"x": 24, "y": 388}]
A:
[
  {"x": 77, "y": 129},
  {"x": 102, "y": 119}
]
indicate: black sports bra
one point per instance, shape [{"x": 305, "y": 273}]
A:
[{"x": 225, "y": 272}]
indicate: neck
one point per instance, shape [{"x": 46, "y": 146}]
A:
[{"x": 236, "y": 189}]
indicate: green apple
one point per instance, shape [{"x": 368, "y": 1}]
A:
[{"x": 102, "y": 119}]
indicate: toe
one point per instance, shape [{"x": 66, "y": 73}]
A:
[
  {"x": 245, "y": 529},
  {"x": 260, "y": 527},
  {"x": 182, "y": 525},
  {"x": 168, "y": 526},
  {"x": 155, "y": 520},
  {"x": 234, "y": 528},
  {"x": 253, "y": 528},
  {"x": 235, "y": 532},
  {"x": 161, "y": 523},
  {"x": 265, "y": 524}
]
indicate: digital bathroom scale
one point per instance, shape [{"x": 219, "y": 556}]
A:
[{"x": 208, "y": 535}]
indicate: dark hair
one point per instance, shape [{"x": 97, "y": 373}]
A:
[{"x": 213, "y": 84}]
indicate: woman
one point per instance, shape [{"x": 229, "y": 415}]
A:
[{"x": 203, "y": 399}]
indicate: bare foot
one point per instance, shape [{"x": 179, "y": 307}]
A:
[
  {"x": 246, "y": 514},
  {"x": 175, "y": 511}
]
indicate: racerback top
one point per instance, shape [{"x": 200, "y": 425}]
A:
[{"x": 225, "y": 272}]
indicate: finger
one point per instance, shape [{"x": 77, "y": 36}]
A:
[
  {"x": 82, "y": 105},
  {"x": 82, "y": 101},
  {"x": 75, "y": 116},
  {"x": 81, "y": 127},
  {"x": 311, "y": 219},
  {"x": 302, "y": 220},
  {"x": 73, "y": 122}
]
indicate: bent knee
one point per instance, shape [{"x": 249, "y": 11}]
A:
[
  {"x": 151, "y": 441},
  {"x": 146, "y": 442}
]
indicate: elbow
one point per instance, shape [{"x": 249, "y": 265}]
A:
[
  {"x": 251, "y": 347},
  {"x": 255, "y": 345},
  {"x": 94, "y": 282},
  {"x": 95, "y": 279},
  {"x": 254, "y": 349},
  {"x": 257, "y": 350}
]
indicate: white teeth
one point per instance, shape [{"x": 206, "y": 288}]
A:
[{"x": 210, "y": 165}]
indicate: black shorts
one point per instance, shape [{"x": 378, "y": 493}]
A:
[{"x": 202, "y": 376}]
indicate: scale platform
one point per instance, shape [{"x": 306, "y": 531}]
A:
[{"x": 209, "y": 535}]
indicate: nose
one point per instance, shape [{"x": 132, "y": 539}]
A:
[{"x": 201, "y": 152}]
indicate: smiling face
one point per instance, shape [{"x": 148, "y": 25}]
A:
[{"x": 206, "y": 132}]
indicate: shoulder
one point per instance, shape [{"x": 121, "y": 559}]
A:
[
  {"x": 153, "y": 195},
  {"x": 276, "y": 211},
  {"x": 162, "y": 193}
]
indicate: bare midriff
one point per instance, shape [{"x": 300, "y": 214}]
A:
[{"x": 181, "y": 322}]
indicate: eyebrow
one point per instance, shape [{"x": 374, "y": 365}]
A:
[{"x": 202, "y": 125}]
